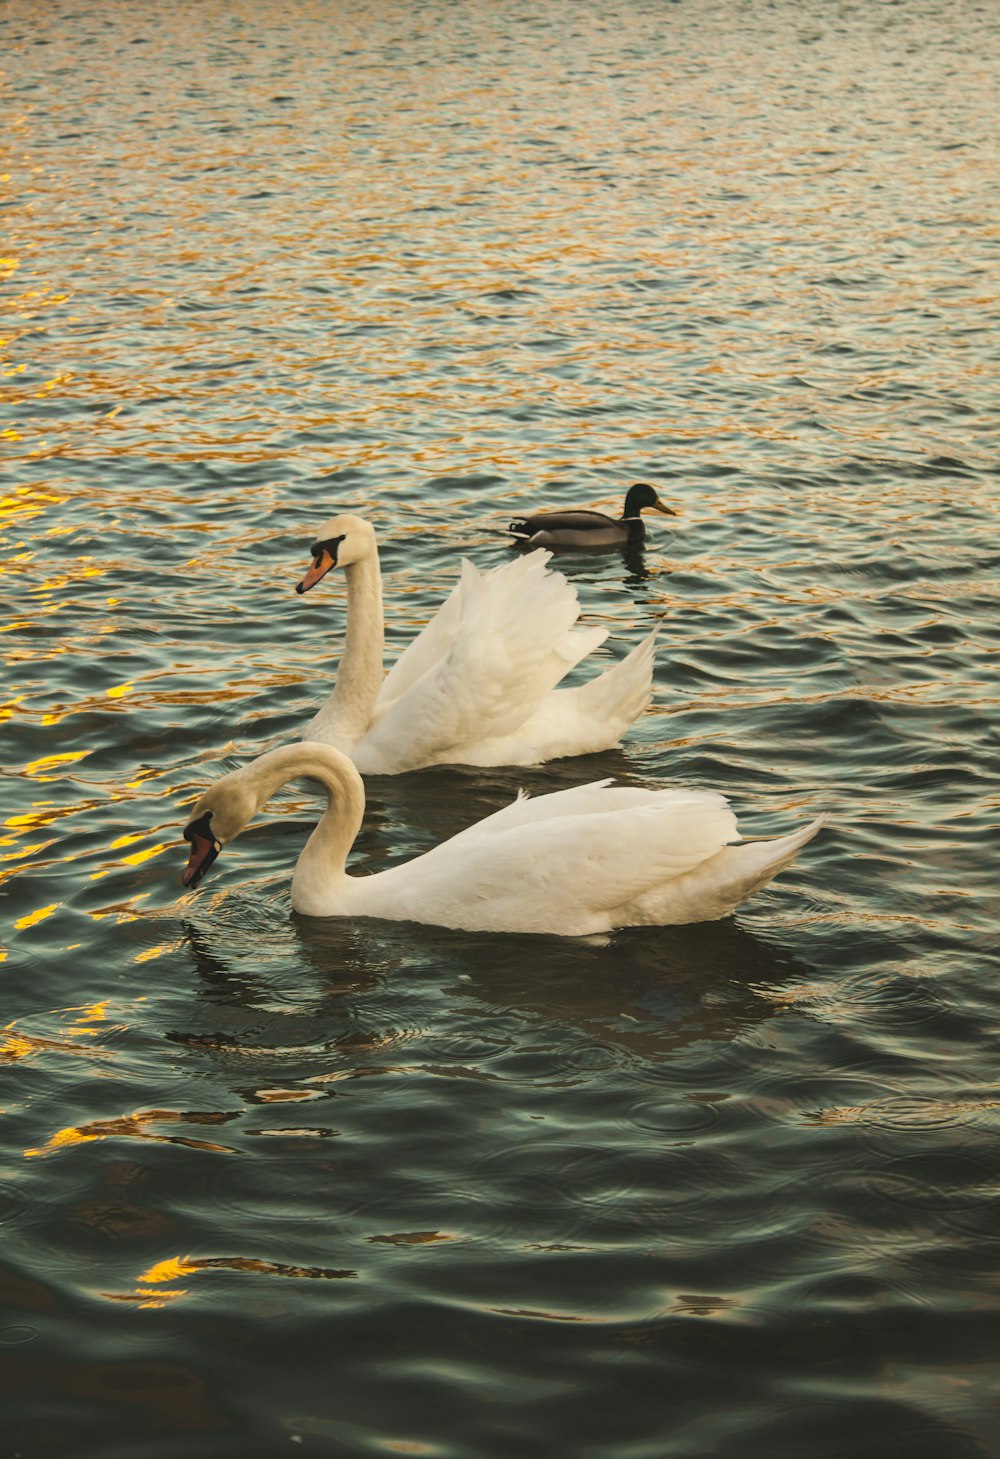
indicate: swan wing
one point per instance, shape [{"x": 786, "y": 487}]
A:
[
  {"x": 558, "y": 806},
  {"x": 506, "y": 639},
  {"x": 573, "y": 862},
  {"x": 590, "y": 716},
  {"x": 432, "y": 644}
]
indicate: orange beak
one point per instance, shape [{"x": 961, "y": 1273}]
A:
[
  {"x": 204, "y": 849},
  {"x": 321, "y": 565},
  {"x": 203, "y": 853}
]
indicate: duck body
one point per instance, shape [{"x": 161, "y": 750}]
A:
[
  {"x": 479, "y": 685},
  {"x": 573, "y": 863},
  {"x": 586, "y": 529}
]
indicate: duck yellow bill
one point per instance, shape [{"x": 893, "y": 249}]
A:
[{"x": 658, "y": 506}]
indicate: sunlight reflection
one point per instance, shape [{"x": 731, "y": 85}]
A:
[
  {"x": 16, "y": 1044},
  {"x": 161, "y": 950},
  {"x": 176, "y": 1268},
  {"x": 49, "y": 762},
  {"x": 172, "y": 1268},
  {"x": 136, "y": 1127},
  {"x": 32, "y": 918}
]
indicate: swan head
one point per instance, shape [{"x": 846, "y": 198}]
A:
[
  {"x": 641, "y": 497},
  {"x": 219, "y": 815},
  {"x": 339, "y": 542}
]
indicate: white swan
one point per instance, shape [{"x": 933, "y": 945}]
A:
[
  {"x": 477, "y": 684},
  {"x": 575, "y": 862}
]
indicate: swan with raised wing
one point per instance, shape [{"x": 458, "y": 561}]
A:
[
  {"x": 478, "y": 685},
  {"x": 574, "y": 862}
]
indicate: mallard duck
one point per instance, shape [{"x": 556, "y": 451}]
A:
[
  {"x": 574, "y": 862},
  {"x": 477, "y": 686},
  {"x": 582, "y": 527}
]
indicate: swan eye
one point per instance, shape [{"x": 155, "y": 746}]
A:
[
  {"x": 202, "y": 829},
  {"x": 330, "y": 545}
]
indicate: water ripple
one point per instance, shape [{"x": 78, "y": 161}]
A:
[{"x": 440, "y": 266}]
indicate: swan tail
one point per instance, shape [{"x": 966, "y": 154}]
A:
[
  {"x": 764, "y": 858},
  {"x": 621, "y": 693},
  {"x": 718, "y": 886}
]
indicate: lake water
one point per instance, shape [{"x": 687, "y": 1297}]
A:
[{"x": 273, "y": 1185}]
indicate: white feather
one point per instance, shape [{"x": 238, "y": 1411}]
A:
[
  {"x": 576, "y": 862},
  {"x": 478, "y": 685}
]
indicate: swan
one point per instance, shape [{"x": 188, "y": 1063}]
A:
[
  {"x": 477, "y": 685},
  {"x": 573, "y": 862},
  {"x": 583, "y": 527}
]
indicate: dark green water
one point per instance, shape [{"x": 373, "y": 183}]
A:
[{"x": 272, "y": 1185}]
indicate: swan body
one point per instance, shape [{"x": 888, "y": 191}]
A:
[
  {"x": 478, "y": 685},
  {"x": 575, "y": 862},
  {"x": 584, "y": 528}
]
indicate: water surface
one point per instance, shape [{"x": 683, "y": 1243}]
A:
[{"x": 275, "y": 1185}]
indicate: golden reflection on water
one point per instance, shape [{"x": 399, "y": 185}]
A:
[
  {"x": 149, "y": 1291},
  {"x": 162, "y": 949},
  {"x": 171, "y": 1268},
  {"x": 22, "y": 851},
  {"x": 745, "y": 270},
  {"x": 45, "y": 813},
  {"x": 48, "y": 762},
  {"x": 355, "y": 299},
  {"x": 136, "y": 1126},
  {"x": 32, "y": 918},
  {"x": 17, "y": 1045}
]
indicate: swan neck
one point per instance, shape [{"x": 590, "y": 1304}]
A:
[
  {"x": 359, "y": 676},
  {"x": 322, "y": 864}
]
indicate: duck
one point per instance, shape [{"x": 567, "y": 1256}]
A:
[
  {"x": 578, "y": 862},
  {"x": 584, "y": 528},
  {"x": 478, "y": 685}
]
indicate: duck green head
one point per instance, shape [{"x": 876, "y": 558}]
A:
[{"x": 642, "y": 496}]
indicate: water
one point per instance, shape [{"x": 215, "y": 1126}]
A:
[{"x": 278, "y": 1186}]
